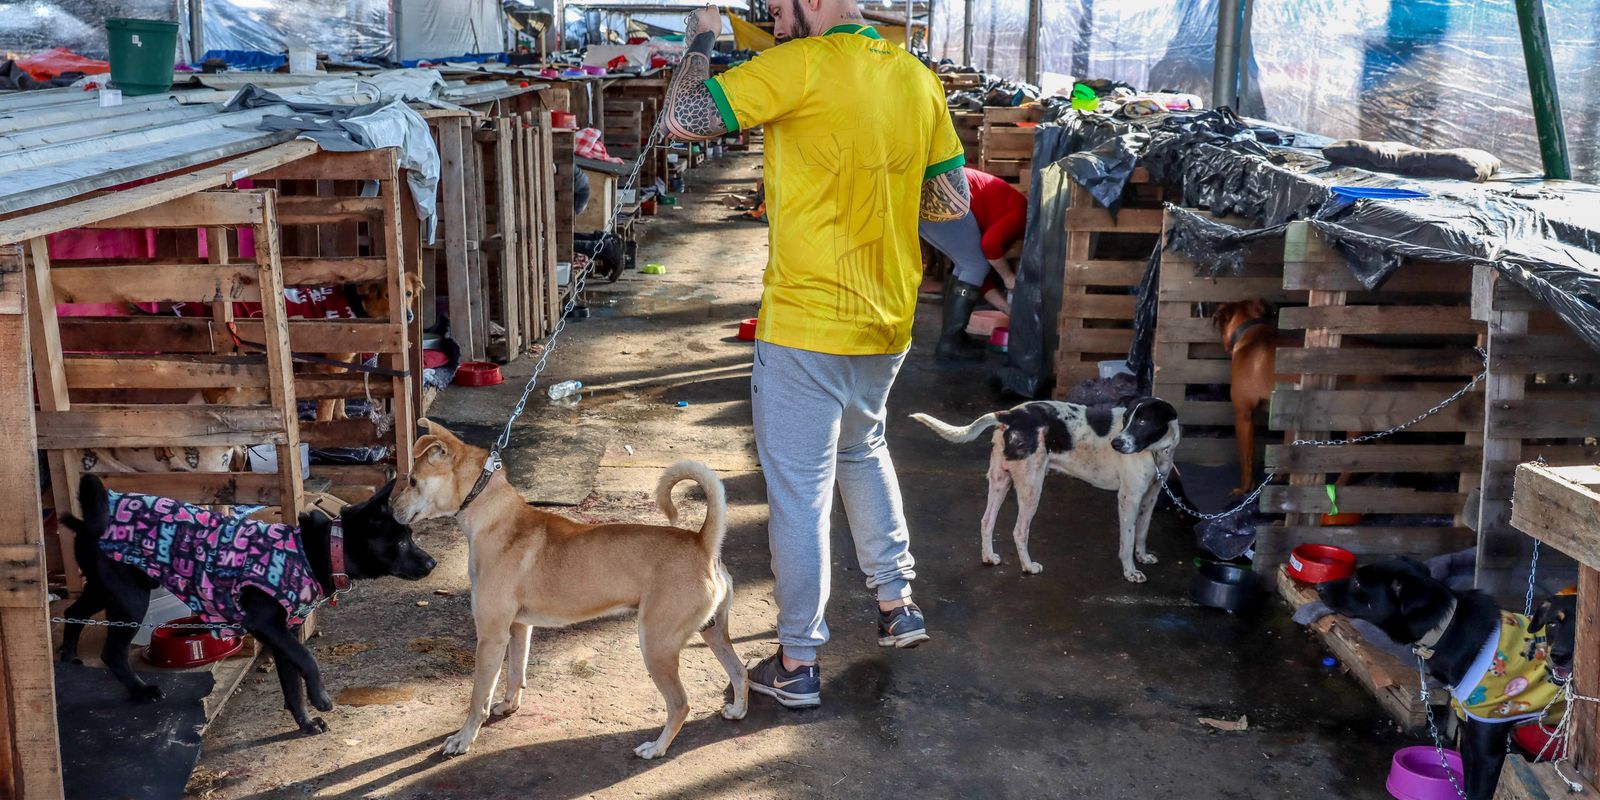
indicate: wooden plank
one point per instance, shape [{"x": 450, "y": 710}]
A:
[
  {"x": 1207, "y": 371},
  {"x": 28, "y": 685},
  {"x": 275, "y": 341},
  {"x": 472, "y": 175},
  {"x": 341, "y": 433},
  {"x": 510, "y": 258},
  {"x": 165, "y": 372},
  {"x": 391, "y": 235},
  {"x": 1543, "y": 418},
  {"x": 1199, "y": 289},
  {"x": 202, "y": 488},
  {"x": 1371, "y": 410},
  {"x": 1104, "y": 273},
  {"x": 1521, "y": 780},
  {"x": 1128, "y": 220},
  {"x": 1500, "y": 547},
  {"x": 51, "y": 388},
  {"x": 94, "y": 426},
  {"x": 1560, "y": 506},
  {"x": 1098, "y": 340},
  {"x": 1378, "y": 361},
  {"x": 326, "y": 270},
  {"x": 1405, "y": 320},
  {"x": 142, "y": 283},
  {"x": 199, "y": 210},
  {"x": 342, "y": 165},
  {"x": 1586, "y": 672},
  {"x": 1530, "y": 354},
  {"x": 102, "y": 206},
  {"x": 312, "y": 210},
  {"x": 1335, "y": 276},
  {"x": 453, "y": 219},
  {"x": 193, "y": 335},
  {"x": 1359, "y": 500},
  {"x": 1375, "y": 458},
  {"x": 560, "y": 245}
]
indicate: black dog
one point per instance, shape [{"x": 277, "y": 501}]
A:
[
  {"x": 374, "y": 545},
  {"x": 1449, "y": 630}
]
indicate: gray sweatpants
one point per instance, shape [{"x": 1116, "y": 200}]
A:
[{"x": 819, "y": 420}]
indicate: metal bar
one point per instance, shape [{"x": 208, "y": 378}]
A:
[
  {"x": 1542, "y": 85},
  {"x": 1225, "y": 70},
  {"x": 966, "y": 34}
]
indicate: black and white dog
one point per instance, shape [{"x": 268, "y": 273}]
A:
[
  {"x": 365, "y": 542},
  {"x": 1502, "y": 668},
  {"x": 1125, "y": 449}
]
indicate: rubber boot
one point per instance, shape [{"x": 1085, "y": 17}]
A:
[{"x": 959, "y": 300}]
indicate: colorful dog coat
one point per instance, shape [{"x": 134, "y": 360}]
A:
[
  {"x": 206, "y": 559},
  {"x": 1510, "y": 679}
]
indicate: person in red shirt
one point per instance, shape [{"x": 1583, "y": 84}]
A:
[{"x": 977, "y": 245}]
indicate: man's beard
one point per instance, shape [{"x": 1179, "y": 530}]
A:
[{"x": 802, "y": 26}]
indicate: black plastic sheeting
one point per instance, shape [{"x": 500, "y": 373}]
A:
[{"x": 1541, "y": 235}]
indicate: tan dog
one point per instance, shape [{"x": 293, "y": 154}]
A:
[
  {"x": 1252, "y": 341},
  {"x": 375, "y": 302},
  {"x": 530, "y": 568}
]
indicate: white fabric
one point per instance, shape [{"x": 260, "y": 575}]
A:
[{"x": 600, "y": 55}]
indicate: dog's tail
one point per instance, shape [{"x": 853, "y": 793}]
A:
[
  {"x": 958, "y": 435},
  {"x": 716, "y": 523}
]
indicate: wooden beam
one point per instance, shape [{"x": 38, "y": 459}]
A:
[
  {"x": 313, "y": 210},
  {"x": 280, "y": 374},
  {"x": 453, "y": 219},
  {"x": 103, "y": 206},
  {"x": 202, "y": 488},
  {"x": 324, "y": 271},
  {"x": 27, "y": 676},
  {"x": 95, "y": 426},
  {"x": 142, "y": 283},
  {"x": 191, "y": 335},
  {"x": 1560, "y": 506},
  {"x": 199, "y": 210}
]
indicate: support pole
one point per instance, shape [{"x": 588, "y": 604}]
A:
[
  {"x": 1225, "y": 72},
  {"x": 1031, "y": 54},
  {"x": 966, "y": 34},
  {"x": 1542, "y": 85}
]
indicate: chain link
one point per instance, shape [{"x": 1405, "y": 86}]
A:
[
  {"x": 106, "y": 623},
  {"x": 580, "y": 281},
  {"x": 1252, "y": 497},
  {"x": 1433, "y": 729}
]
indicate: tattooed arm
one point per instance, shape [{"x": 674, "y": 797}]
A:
[
  {"x": 946, "y": 197},
  {"x": 692, "y": 114}
]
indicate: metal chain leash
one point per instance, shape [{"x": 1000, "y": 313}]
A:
[
  {"x": 580, "y": 281},
  {"x": 1433, "y": 730},
  {"x": 104, "y": 623},
  {"x": 1251, "y": 498}
]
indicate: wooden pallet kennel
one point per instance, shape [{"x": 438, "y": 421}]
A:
[
  {"x": 1416, "y": 340},
  {"x": 1106, "y": 259},
  {"x": 1188, "y": 353},
  {"x": 1540, "y": 396},
  {"x": 969, "y": 128},
  {"x": 1007, "y": 146}
]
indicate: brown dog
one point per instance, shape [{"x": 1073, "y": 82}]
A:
[
  {"x": 529, "y": 568},
  {"x": 1252, "y": 342},
  {"x": 375, "y": 302}
]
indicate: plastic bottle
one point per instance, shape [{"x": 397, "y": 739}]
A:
[{"x": 564, "y": 389}]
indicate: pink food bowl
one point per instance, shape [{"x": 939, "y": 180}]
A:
[{"x": 1416, "y": 774}]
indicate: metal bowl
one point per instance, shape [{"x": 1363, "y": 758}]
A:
[{"x": 1234, "y": 589}]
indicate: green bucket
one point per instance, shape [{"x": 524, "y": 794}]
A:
[{"x": 143, "y": 53}]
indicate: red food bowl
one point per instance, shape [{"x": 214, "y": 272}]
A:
[
  {"x": 478, "y": 373},
  {"x": 562, "y": 119},
  {"x": 747, "y": 330},
  {"x": 1535, "y": 740},
  {"x": 181, "y": 648},
  {"x": 1319, "y": 563}
]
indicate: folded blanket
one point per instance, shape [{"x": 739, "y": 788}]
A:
[{"x": 1462, "y": 164}]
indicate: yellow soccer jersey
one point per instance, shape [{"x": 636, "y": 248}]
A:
[{"x": 854, "y": 126}]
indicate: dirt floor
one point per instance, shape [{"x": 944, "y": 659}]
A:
[{"x": 1073, "y": 683}]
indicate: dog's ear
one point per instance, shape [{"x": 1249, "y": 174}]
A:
[
  {"x": 436, "y": 430},
  {"x": 435, "y": 449},
  {"x": 1556, "y": 609}
]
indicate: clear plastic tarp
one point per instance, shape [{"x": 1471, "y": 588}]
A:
[
  {"x": 948, "y": 30},
  {"x": 999, "y": 34},
  {"x": 28, "y": 26},
  {"x": 349, "y": 29}
]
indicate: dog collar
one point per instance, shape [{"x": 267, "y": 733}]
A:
[
  {"x": 341, "y": 579},
  {"x": 1423, "y": 649},
  {"x": 491, "y": 465},
  {"x": 1238, "y": 333}
]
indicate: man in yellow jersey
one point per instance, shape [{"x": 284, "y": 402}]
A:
[{"x": 859, "y": 146}]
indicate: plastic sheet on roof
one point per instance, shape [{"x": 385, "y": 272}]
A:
[
  {"x": 350, "y": 29},
  {"x": 999, "y": 30},
  {"x": 29, "y": 26},
  {"x": 947, "y": 30}
]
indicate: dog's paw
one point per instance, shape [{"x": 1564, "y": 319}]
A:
[
  {"x": 314, "y": 726},
  {"x": 735, "y": 710},
  {"x": 147, "y": 693},
  {"x": 458, "y": 744},
  {"x": 1133, "y": 575},
  {"x": 650, "y": 750},
  {"x": 505, "y": 708},
  {"x": 321, "y": 701},
  {"x": 1033, "y": 568},
  {"x": 1148, "y": 558},
  {"x": 991, "y": 560}
]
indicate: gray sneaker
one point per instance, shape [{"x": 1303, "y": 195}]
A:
[{"x": 801, "y": 688}]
